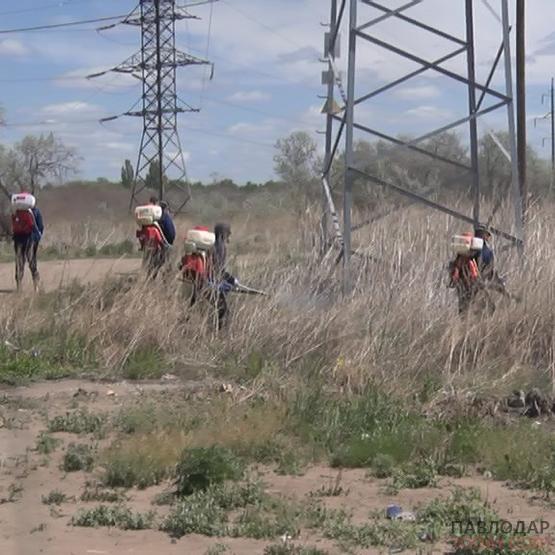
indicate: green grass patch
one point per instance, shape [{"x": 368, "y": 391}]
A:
[
  {"x": 201, "y": 467},
  {"x": 48, "y": 354},
  {"x": 145, "y": 363},
  {"x": 78, "y": 422},
  {"x": 289, "y": 549},
  {"x": 206, "y": 511},
  {"x": 141, "y": 461},
  {"x": 117, "y": 516},
  {"x": 47, "y": 444},
  {"x": 55, "y": 497},
  {"x": 78, "y": 457}
]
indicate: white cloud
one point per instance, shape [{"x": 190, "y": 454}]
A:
[
  {"x": 428, "y": 112},
  {"x": 111, "y": 82},
  {"x": 418, "y": 92},
  {"x": 73, "y": 107},
  {"x": 115, "y": 145},
  {"x": 11, "y": 47},
  {"x": 249, "y": 96},
  {"x": 243, "y": 128}
]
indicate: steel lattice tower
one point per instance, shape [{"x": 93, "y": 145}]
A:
[
  {"x": 155, "y": 66},
  {"x": 482, "y": 98}
]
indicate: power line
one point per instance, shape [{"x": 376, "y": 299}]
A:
[
  {"x": 59, "y": 25},
  {"x": 57, "y": 5},
  {"x": 263, "y": 25}
]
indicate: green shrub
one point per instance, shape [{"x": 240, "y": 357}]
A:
[
  {"x": 289, "y": 549},
  {"x": 114, "y": 517},
  {"x": 206, "y": 512},
  {"x": 201, "y": 467},
  {"x": 78, "y": 457},
  {"x": 144, "y": 363},
  {"x": 55, "y": 497},
  {"x": 125, "y": 467},
  {"x": 46, "y": 444},
  {"x": 78, "y": 422}
]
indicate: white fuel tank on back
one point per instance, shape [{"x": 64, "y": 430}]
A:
[
  {"x": 23, "y": 201},
  {"x": 148, "y": 214},
  {"x": 201, "y": 238},
  {"x": 465, "y": 244}
]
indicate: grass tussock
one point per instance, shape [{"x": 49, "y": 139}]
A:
[{"x": 382, "y": 334}]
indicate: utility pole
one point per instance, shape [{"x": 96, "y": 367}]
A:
[
  {"x": 349, "y": 153},
  {"x": 552, "y": 133},
  {"x": 331, "y": 41},
  {"x": 521, "y": 102},
  {"x": 155, "y": 67},
  {"x": 470, "y": 59}
]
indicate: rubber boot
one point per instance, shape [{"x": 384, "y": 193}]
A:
[{"x": 36, "y": 283}]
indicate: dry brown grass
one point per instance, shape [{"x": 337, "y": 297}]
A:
[{"x": 399, "y": 328}]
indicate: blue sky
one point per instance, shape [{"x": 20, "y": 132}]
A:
[{"x": 265, "y": 85}]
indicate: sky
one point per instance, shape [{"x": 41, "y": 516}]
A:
[{"x": 266, "y": 81}]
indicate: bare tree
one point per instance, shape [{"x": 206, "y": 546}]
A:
[{"x": 36, "y": 159}]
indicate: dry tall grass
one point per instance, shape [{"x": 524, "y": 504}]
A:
[{"x": 400, "y": 328}]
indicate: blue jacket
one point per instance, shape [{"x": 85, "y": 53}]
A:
[
  {"x": 485, "y": 262},
  {"x": 167, "y": 227},
  {"x": 38, "y": 230}
]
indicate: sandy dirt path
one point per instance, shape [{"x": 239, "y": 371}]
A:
[{"x": 61, "y": 272}]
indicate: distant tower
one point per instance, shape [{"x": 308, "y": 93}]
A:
[{"x": 160, "y": 162}]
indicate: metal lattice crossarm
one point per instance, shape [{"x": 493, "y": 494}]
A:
[
  {"x": 160, "y": 154},
  {"x": 363, "y": 29}
]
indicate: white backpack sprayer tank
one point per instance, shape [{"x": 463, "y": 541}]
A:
[
  {"x": 199, "y": 239},
  {"x": 466, "y": 244},
  {"x": 23, "y": 201},
  {"x": 148, "y": 214}
]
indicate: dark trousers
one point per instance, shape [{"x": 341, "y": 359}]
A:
[
  {"x": 154, "y": 260},
  {"x": 26, "y": 251},
  {"x": 214, "y": 298}
]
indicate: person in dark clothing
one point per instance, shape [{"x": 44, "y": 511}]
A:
[
  {"x": 222, "y": 281},
  {"x": 157, "y": 258},
  {"x": 486, "y": 263},
  {"x": 26, "y": 247},
  {"x": 166, "y": 223}
]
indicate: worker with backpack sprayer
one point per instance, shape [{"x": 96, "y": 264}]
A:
[
  {"x": 204, "y": 268},
  {"x": 472, "y": 273},
  {"x": 27, "y": 231},
  {"x": 153, "y": 243}
]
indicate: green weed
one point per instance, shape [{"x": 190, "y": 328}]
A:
[
  {"x": 78, "y": 422},
  {"x": 138, "y": 463},
  {"x": 144, "y": 363},
  {"x": 113, "y": 516},
  {"x": 289, "y": 549},
  {"x": 55, "y": 497},
  {"x": 217, "y": 549},
  {"x": 164, "y": 498},
  {"x": 201, "y": 467},
  {"x": 415, "y": 475},
  {"x": 101, "y": 495},
  {"x": 206, "y": 512},
  {"x": 78, "y": 457},
  {"x": 46, "y": 444}
]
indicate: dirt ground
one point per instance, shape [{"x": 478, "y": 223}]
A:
[
  {"x": 29, "y": 527},
  {"x": 55, "y": 273}
]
